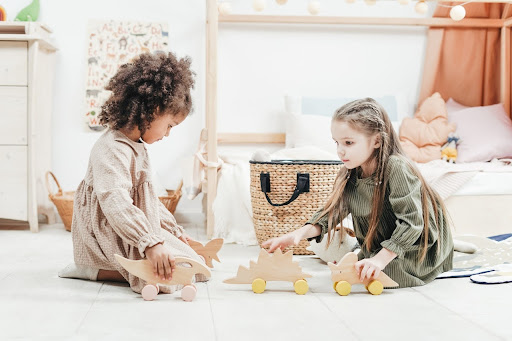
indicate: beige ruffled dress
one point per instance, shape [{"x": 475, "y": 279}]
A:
[{"x": 116, "y": 209}]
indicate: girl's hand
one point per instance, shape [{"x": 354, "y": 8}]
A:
[
  {"x": 368, "y": 269},
  {"x": 282, "y": 242},
  {"x": 162, "y": 260},
  {"x": 185, "y": 238}
]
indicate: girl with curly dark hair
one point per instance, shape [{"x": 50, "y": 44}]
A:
[{"x": 116, "y": 209}]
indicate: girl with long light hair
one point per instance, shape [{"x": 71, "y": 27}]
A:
[{"x": 399, "y": 220}]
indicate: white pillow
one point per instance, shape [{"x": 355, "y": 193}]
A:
[
  {"x": 398, "y": 106},
  {"x": 310, "y": 130}
]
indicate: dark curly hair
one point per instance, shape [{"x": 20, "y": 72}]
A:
[{"x": 149, "y": 85}]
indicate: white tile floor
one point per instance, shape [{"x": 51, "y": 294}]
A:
[{"x": 36, "y": 304}]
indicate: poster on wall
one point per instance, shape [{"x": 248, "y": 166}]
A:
[{"x": 111, "y": 44}]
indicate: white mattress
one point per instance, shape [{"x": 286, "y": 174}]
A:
[{"x": 488, "y": 183}]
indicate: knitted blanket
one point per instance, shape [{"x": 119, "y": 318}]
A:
[{"x": 446, "y": 178}]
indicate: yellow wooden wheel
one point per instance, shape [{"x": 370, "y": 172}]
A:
[
  {"x": 258, "y": 285},
  {"x": 343, "y": 288},
  {"x": 375, "y": 287},
  {"x": 301, "y": 286},
  {"x": 334, "y": 285}
]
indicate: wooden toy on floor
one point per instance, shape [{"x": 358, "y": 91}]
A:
[
  {"x": 184, "y": 274},
  {"x": 272, "y": 267},
  {"x": 208, "y": 251},
  {"x": 344, "y": 274}
]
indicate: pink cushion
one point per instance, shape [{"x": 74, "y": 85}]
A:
[
  {"x": 453, "y": 106},
  {"x": 485, "y": 133}
]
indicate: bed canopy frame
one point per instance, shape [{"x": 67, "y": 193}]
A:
[{"x": 213, "y": 18}]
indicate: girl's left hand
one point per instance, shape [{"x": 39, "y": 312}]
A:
[
  {"x": 185, "y": 238},
  {"x": 368, "y": 269}
]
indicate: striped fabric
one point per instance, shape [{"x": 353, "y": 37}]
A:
[{"x": 401, "y": 226}]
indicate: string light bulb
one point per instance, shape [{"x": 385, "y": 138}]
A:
[
  {"x": 314, "y": 7},
  {"x": 350, "y": 1},
  {"x": 403, "y": 2},
  {"x": 370, "y": 2},
  {"x": 281, "y": 2},
  {"x": 225, "y": 8},
  {"x": 258, "y": 5},
  {"x": 421, "y": 7},
  {"x": 457, "y": 12}
]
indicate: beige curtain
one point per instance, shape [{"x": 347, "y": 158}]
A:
[{"x": 464, "y": 63}]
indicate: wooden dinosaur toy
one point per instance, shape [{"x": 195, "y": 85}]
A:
[
  {"x": 344, "y": 274},
  {"x": 184, "y": 274},
  {"x": 272, "y": 267},
  {"x": 29, "y": 13},
  {"x": 208, "y": 251}
]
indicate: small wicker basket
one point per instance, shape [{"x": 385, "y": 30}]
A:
[
  {"x": 62, "y": 200},
  {"x": 173, "y": 197}
]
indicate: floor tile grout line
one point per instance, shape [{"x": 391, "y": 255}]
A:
[
  {"x": 211, "y": 312},
  {"x": 89, "y": 310},
  {"x": 337, "y": 316},
  {"x": 461, "y": 316}
]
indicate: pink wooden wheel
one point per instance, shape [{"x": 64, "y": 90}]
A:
[
  {"x": 149, "y": 292},
  {"x": 188, "y": 293}
]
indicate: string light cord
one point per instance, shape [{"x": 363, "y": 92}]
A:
[{"x": 452, "y": 6}]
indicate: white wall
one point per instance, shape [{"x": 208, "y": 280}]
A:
[{"x": 258, "y": 64}]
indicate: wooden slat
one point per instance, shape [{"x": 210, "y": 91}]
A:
[
  {"x": 505, "y": 69},
  {"x": 430, "y": 22},
  {"x": 212, "y": 26},
  {"x": 506, "y": 11},
  {"x": 507, "y": 23},
  {"x": 251, "y": 138}
]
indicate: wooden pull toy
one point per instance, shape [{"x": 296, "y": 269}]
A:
[
  {"x": 184, "y": 273},
  {"x": 344, "y": 274},
  {"x": 272, "y": 267},
  {"x": 208, "y": 251}
]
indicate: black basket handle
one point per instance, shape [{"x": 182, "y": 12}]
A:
[{"x": 301, "y": 187}]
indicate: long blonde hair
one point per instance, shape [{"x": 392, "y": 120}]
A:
[{"x": 370, "y": 118}]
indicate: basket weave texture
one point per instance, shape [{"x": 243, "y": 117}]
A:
[
  {"x": 63, "y": 201},
  {"x": 173, "y": 197},
  {"x": 270, "y": 221}
]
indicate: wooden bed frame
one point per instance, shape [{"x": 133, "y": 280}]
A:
[{"x": 213, "y": 18}]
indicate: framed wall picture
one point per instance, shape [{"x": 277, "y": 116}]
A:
[{"x": 109, "y": 45}]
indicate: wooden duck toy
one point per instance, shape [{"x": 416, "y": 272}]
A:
[
  {"x": 208, "y": 251},
  {"x": 184, "y": 274},
  {"x": 344, "y": 274},
  {"x": 272, "y": 267}
]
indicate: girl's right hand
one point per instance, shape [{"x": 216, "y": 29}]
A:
[
  {"x": 162, "y": 260},
  {"x": 282, "y": 242}
]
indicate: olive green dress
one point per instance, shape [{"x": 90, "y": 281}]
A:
[{"x": 401, "y": 225}]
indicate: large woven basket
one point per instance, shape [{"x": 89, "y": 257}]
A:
[
  {"x": 173, "y": 197},
  {"x": 285, "y": 194},
  {"x": 63, "y": 201}
]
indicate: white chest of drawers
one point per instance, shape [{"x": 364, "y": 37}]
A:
[{"x": 27, "y": 57}]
